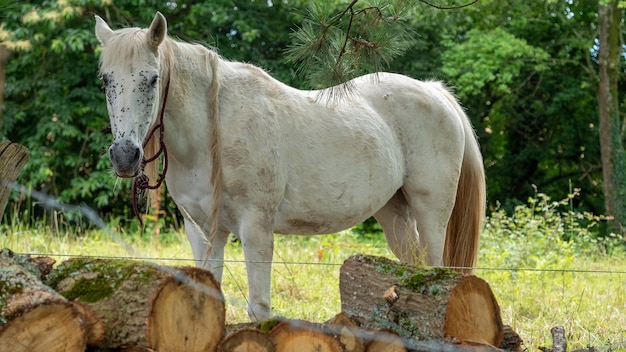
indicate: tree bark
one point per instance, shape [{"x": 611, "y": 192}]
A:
[
  {"x": 611, "y": 146},
  {"x": 4, "y": 58},
  {"x": 13, "y": 157},
  {"x": 419, "y": 303},
  {"x": 33, "y": 317}
]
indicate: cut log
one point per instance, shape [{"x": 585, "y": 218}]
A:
[
  {"x": 385, "y": 341},
  {"x": 302, "y": 336},
  {"x": 187, "y": 313},
  {"x": 33, "y": 317},
  {"x": 247, "y": 340},
  {"x": 139, "y": 304},
  {"x": 13, "y": 157},
  {"x": 348, "y": 333},
  {"x": 419, "y": 303}
]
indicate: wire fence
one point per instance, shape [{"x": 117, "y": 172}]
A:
[{"x": 589, "y": 303}]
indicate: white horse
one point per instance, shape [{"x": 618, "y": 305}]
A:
[{"x": 252, "y": 156}]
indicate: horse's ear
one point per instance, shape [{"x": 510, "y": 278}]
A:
[
  {"x": 157, "y": 31},
  {"x": 103, "y": 31}
]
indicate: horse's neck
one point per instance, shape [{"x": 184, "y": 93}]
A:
[{"x": 188, "y": 107}]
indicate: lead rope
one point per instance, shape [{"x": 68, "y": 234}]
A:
[{"x": 142, "y": 182}]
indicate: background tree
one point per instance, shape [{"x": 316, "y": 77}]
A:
[
  {"x": 527, "y": 73},
  {"x": 611, "y": 132},
  {"x": 54, "y": 104}
]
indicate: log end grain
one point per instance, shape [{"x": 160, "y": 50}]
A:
[
  {"x": 473, "y": 313},
  {"x": 52, "y": 327},
  {"x": 348, "y": 333},
  {"x": 302, "y": 336},
  {"x": 247, "y": 340},
  {"x": 385, "y": 341},
  {"x": 187, "y": 313}
]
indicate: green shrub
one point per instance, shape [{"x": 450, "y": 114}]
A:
[{"x": 543, "y": 234}]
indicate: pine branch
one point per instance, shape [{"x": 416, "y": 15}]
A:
[{"x": 334, "y": 46}]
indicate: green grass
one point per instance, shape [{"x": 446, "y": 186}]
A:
[{"x": 539, "y": 280}]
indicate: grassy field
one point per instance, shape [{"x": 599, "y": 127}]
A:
[{"x": 539, "y": 280}]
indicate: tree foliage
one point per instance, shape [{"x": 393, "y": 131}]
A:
[{"x": 525, "y": 71}]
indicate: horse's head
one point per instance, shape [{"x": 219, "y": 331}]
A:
[{"x": 131, "y": 72}]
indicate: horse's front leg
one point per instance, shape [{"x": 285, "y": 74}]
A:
[
  {"x": 208, "y": 253},
  {"x": 258, "y": 247}
]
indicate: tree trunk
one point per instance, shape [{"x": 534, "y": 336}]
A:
[
  {"x": 33, "y": 317},
  {"x": 4, "y": 58},
  {"x": 419, "y": 303},
  {"x": 13, "y": 157},
  {"x": 611, "y": 146},
  {"x": 142, "y": 305}
]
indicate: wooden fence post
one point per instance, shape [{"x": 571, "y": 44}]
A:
[{"x": 13, "y": 157}]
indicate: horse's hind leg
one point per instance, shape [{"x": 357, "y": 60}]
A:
[
  {"x": 400, "y": 229},
  {"x": 431, "y": 200}
]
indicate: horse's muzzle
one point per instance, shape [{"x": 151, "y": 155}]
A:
[{"x": 126, "y": 158}]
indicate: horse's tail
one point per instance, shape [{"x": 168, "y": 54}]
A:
[{"x": 466, "y": 221}]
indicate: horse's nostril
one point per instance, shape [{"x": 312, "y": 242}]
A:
[{"x": 137, "y": 154}]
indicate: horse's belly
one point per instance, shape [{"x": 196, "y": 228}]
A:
[
  {"x": 318, "y": 222},
  {"x": 332, "y": 206}
]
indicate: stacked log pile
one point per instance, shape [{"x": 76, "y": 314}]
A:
[
  {"x": 109, "y": 304},
  {"x": 87, "y": 303}
]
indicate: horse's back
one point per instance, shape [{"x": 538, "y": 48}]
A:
[{"x": 426, "y": 124}]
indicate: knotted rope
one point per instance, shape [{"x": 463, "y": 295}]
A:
[{"x": 142, "y": 182}]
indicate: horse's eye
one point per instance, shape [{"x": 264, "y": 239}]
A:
[
  {"x": 106, "y": 79},
  {"x": 153, "y": 80}
]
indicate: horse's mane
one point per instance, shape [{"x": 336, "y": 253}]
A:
[
  {"x": 168, "y": 52},
  {"x": 124, "y": 46}
]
